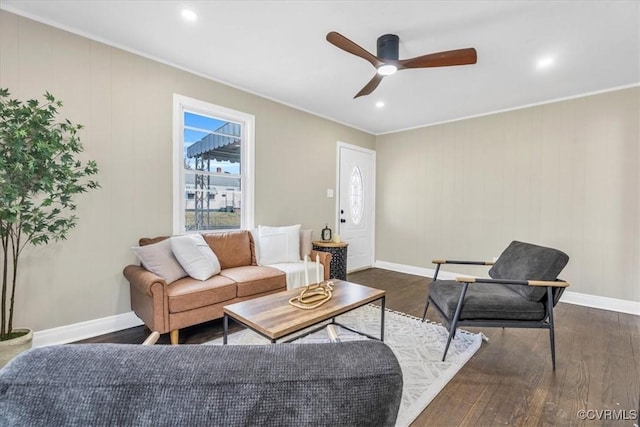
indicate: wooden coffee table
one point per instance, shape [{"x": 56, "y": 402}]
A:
[{"x": 273, "y": 317}]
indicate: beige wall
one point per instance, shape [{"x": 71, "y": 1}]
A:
[
  {"x": 564, "y": 174},
  {"x": 125, "y": 103}
]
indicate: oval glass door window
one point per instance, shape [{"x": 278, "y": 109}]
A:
[{"x": 357, "y": 202}]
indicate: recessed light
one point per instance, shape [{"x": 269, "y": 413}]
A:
[
  {"x": 545, "y": 62},
  {"x": 380, "y": 104},
  {"x": 189, "y": 15}
]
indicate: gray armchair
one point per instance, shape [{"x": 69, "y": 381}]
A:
[
  {"x": 521, "y": 293},
  {"x": 352, "y": 383}
]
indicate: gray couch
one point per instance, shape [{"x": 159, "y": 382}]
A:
[{"x": 334, "y": 384}]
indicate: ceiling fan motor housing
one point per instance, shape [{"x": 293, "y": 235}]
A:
[{"x": 388, "y": 46}]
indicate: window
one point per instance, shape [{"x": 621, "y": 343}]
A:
[{"x": 213, "y": 167}]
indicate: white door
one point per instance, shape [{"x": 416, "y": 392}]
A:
[{"x": 356, "y": 204}]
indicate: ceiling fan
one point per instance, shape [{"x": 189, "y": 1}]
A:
[{"x": 387, "y": 62}]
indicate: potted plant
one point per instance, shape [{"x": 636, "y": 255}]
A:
[{"x": 39, "y": 177}]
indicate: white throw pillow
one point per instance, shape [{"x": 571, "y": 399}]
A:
[
  {"x": 158, "y": 258},
  {"x": 279, "y": 244},
  {"x": 195, "y": 256}
]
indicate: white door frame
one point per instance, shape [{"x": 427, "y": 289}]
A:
[{"x": 372, "y": 230}]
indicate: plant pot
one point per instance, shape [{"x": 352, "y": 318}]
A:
[{"x": 11, "y": 348}]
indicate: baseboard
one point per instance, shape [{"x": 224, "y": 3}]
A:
[
  {"x": 418, "y": 271},
  {"x": 605, "y": 303},
  {"x": 594, "y": 301},
  {"x": 84, "y": 330}
]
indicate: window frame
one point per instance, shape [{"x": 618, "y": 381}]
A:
[{"x": 182, "y": 104}]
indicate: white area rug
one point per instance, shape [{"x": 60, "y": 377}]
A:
[{"x": 418, "y": 347}]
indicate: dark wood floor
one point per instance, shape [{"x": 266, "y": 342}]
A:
[{"x": 509, "y": 381}]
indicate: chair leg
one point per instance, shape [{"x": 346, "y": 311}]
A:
[
  {"x": 446, "y": 348},
  {"x": 454, "y": 322},
  {"x": 173, "y": 335},
  {"x": 424, "y": 316},
  {"x": 426, "y": 306},
  {"x": 551, "y": 331},
  {"x": 553, "y": 348}
]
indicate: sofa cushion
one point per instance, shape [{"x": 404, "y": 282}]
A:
[
  {"x": 233, "y": 248},
  {"x": 526, "y": 261},
  {"x": 255, "y": 249},
  {"x": 188, "y": 293},
  {"x": 253, "y": 280},
  {"x": 484, "y": 301},
  {"x": 195, "y": 256},
  {"x": 158, "y": 258},
  {"x": 144, "y": 241}
]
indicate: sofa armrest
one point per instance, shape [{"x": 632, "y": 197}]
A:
[
  {"x": 142, "y": 279},
  {"x": 325, "y": 260},
  {"x": 149, "y": 300}
]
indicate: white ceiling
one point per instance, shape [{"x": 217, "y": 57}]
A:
[{"x": 277, "y": 49}]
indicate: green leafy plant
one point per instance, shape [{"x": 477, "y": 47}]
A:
[{"x": 39, "y": 177}]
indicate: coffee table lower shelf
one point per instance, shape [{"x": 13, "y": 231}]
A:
[{"x": 271, "y": 316}]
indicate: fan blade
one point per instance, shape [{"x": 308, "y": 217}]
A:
[
  {"x": 441, "y": 59},
  {"x": 347, "y": 45},
  {"x": 371, "y": 86}
]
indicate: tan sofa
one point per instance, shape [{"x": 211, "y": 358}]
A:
[{"x": 168, "y": 307}]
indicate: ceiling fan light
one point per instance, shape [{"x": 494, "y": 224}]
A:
[{"x": 387, "y": 69}]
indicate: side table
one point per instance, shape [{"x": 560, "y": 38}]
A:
[{"x": 338, "y": 253}]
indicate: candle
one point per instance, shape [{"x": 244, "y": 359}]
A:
[
  {"x": 306, "y": 270},
  {"x": 317, "y": 268}
]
